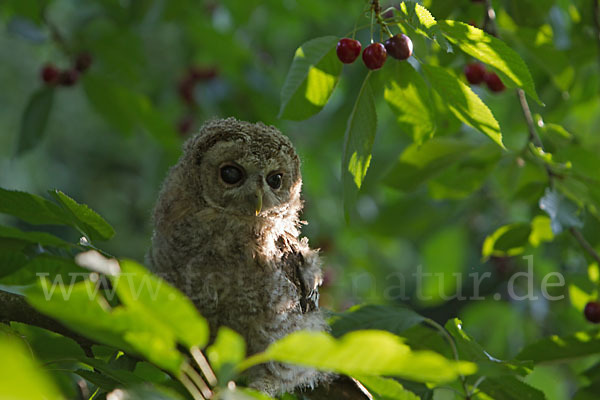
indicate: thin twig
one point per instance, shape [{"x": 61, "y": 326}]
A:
[
  {"x": 533, "y": 136},
  {"x": 197, "y": 379},
  {"x": 190, "y": 387},
  {"x": 585, "y": 244},
  {"x": 204, "y": 365},
  {"x": 452, "y": 344}
]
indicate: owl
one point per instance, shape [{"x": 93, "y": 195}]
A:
[{"x": 226, "y": 233}]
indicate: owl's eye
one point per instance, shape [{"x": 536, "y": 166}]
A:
[
  {"x": 231, "y": 174},
  {"x": 274, "y": 180}
]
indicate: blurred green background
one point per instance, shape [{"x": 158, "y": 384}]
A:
[{"x": 111, "y": 137}]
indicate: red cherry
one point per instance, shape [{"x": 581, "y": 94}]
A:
[
  {"x": 68, "y": 77},
  {"x": 399, "y": 46},
  {"x": 83, "y": 62},
  {"x": 475, "y": 73},
  {"x": 592, "y": 311},
  {"x": 49, "y": 74},
  {"x": 202, "y": 74},
  {"x": 374, "y": 56},
  {"x": 184, "y": 125},
  {"x": 493, "y": 82},
  {"x": 186, "y": 90},
  {"x": 348, "y": 50}
]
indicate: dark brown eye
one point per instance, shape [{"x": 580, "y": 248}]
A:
[
  {"x": 274, "y": 180},
  {"x": 231, "y": 174}
]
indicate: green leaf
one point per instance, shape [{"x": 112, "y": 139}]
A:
[
  {"x": 561, "y": 210},
  {"x": 560, "y": 348},
  {"x": 541, "y": 230},
  {"x": 386, "y": 389},
  {"x": 444, "y": 258},
  {"x": 421, "y": 20},
  {"x": 43, "y": 238},
  {"x": 491, "y": 51},
  {"x": 417, "y": 163},
  {"x": 464, "y": 103},
  {"x": 358, "y": 143},
  {"x": 241, "y": 394},
  {"x": 508, "y": 240},
  {"x": 466, "y": 176},
  {"x": 11, "y": 261},
  {"x": 117, "y": 104},
  {"x": 408, "y": 96},
  {"x": 48, "y": 346},
  {"x": 35, "y": 118},
  {"x": 20, "y": 376},
  {"x": 59, "y": 269},
  {"x": 394, "y": 319},
  {"x": 313, "y": 76},
  {"x": 80, "y": 307},
  {"x": 85, "y": 218},
  {"x": 362, "y": 353},
  {"x": 31, "y": 208},
  {"x": 228, "y": 350},
  {"x": 469, "y": 349},
  {"x": 140, "y": 290},
  {"x": 510, "y": 388}
]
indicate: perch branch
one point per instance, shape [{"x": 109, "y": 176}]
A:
[
  {"x": 585, "y": 244},
  {"x": 13, "y": 307}
]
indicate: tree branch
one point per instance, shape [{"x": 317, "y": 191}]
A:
[
  {"x": 14, "y": 307},
  {"x": 585, "y": 244},
  {"x": 534, "y": 138}
]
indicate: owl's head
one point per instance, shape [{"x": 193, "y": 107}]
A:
[{"x": 243, "y": 169}]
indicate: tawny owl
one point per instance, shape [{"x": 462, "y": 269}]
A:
[{"x": 227, "y": 234}]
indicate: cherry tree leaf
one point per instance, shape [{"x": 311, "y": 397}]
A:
[{"x": 313, "y": 76}]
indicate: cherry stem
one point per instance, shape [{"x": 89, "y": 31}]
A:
[{"x": 491, "y": 28}]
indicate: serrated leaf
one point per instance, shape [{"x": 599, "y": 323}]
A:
[
  {"x": 417, "y": 164},
  {"x": 362, "y": 353},
  {"x": 386, "y": 389},
  {"x": 491, "y": 51},
  {"x": 85, "y": 218},
  {"x": 421, "y": 20},
  {"x": 43, "y": 238},
  {"x": 34, "y": 119},
  {"x": 358, "y": 143},
  {"x": 371, "y": 316},
  {"x": 510, "y": 388},
  {"x": 313, "y": 76},
  {"x": 464, "y": 103},
  {"x": 469, "y": 349},
  {"x": 408, "y": 96},
  {"x": 31, "y": 208},
  {"x": 561, "y": 210},
  {"x": 11, "y": 261},
  {"x": 508, "y": 240},
  {"x": 560, "y": 348}
]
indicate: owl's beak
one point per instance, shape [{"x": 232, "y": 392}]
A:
[{"x": 259, "y": 202}]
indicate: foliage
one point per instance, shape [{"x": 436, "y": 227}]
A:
[{"x": 451, "y": 201}]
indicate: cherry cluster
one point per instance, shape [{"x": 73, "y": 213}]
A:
[
  {"x": 374, "y": 55},
  {"x": 476, "y": 74},
  {"x": 51, "y": 75}
]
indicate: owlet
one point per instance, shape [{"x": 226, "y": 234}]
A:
[{"x": 226, "y": 233}]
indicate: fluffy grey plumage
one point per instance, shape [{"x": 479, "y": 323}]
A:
[{"x": 234, "y": 249}]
